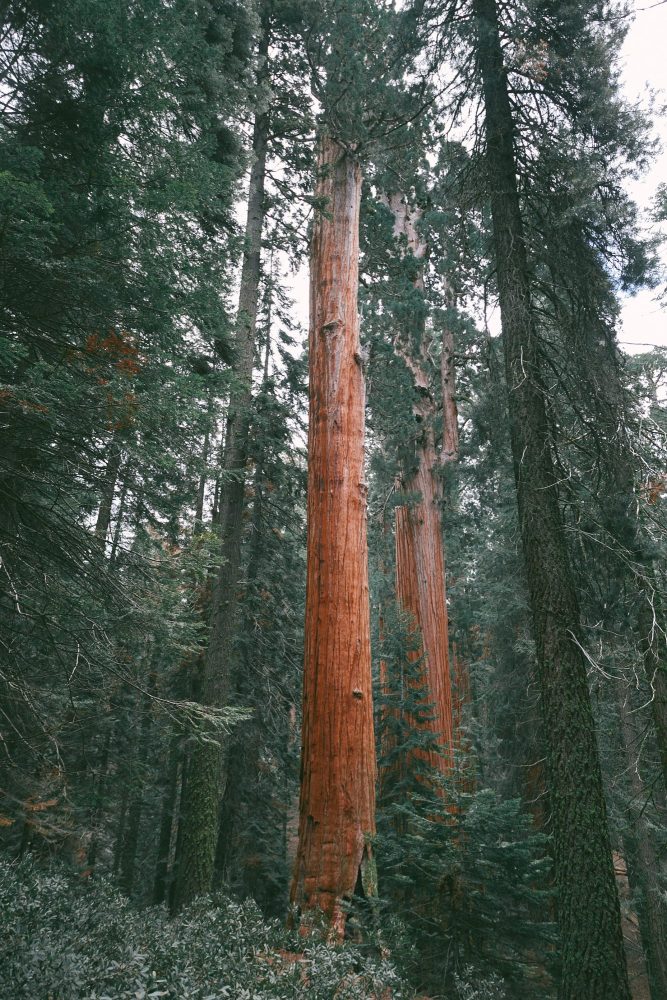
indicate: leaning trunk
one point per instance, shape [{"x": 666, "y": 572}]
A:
[
  {"x": 593, "y": 960},
  {"x": 337, "y": 803}
]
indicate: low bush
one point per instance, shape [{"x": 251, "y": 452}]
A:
[{"x": 64, "y": 938}]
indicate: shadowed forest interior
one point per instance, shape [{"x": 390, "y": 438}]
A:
[{"x": 333, "y": 661}]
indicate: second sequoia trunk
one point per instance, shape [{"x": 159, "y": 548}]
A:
[
  {"x": 420, "y": 563},
  {"x": 337, "y": 804}
]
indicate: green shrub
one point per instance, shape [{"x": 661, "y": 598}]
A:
[{"x": 64, "y": 938}]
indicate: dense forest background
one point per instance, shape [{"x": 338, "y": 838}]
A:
[{"x": 330, "y": 666}]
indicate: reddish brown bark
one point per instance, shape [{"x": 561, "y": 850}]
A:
[
  {"x": 337, "y": 803},
  {"x": 420, "y": 589},
  {"x": 420, "y": 565},
  {"x": 461, "y": 698}
]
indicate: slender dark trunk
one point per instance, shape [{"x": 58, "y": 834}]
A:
[
  {"x": 651, "y": 628},
  {"x": 128, "y": 854},
  {"x": 201, "y": 486},
  {"x": 100, "y": 796},
  {"x": 108, "y": 489},
  {"x": 167, "y": 821},
  {"x": 120, "y": 829},
  {"x": 593, "y": 959},
  {"x": 181, "y": 791},
  {"x": 207, "y": 765},
  {"x": 121, "y": 514},
  {"x": 243, "y": 758}
]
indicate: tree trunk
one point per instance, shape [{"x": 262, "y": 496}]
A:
[
  {"x": 201, "y": 486},
  {"x": 167, "y": 821},
  {"x": 460, "y": 702},
  {"x": 120, "y": 830},
  {"x": 205, "y": 784},
  {"x": 651, "y": 627},
  {"x": 99, "y": 797},
  {"x": 593, "y": 959},
  {"x": 420, "y": 564},
  {"x": 642, "y": 860},
  {"x": 120, "y": 516},
  {"x": 337, "y": 801},
  {"x": 135, "y": 808},
  {"x": 181, "y": 789},
  {"x": 450, "y": 415},
  {"x": 108, "y": 489}
]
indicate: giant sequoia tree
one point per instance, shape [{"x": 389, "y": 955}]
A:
[
  {"x": 155, "y": 561},
  {"x": 420, "y": 567},
  {"x": 337, "y": 805},
  {"x": 337, "y": 810}
]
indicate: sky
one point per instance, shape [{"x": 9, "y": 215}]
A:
[
  {"x": 644, "y": 61},
  {"x": 644, "y": 64}
]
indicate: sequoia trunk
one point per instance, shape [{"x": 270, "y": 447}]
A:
[
  {"x": 593, "y": 960},
  {"x": 420, "y": 564},
  {"x": 337, "y": 801}
]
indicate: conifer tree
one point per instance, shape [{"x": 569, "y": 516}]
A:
[
  {"x": 588, "y": 909},
  {"x": 420, "y": 570},
  {"x": 337, "y": 811}
]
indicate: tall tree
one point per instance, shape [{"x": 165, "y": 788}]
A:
[
  {"x": 420, "y": 566},
  {"x": 337, "y": 807},
  {"x": 205, "y": 785},
  {"x": 588, "y": 908},
  {"x": 361, "y": 101}
]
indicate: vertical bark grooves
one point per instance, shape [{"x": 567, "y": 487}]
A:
[
  {"x": 337, "y": 802},
  {"x": 205, "y": 785},
  {"x": 420, "y": 589},
  {"x": 420, "y": 563},
  {"x": 593, "y": 959}
]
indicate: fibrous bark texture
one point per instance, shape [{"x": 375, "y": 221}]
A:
[
  {"x": 420, "y": 564},
  {"x": 420, "y": 590},
  {"x": 461, "y": 699},
  {"x": 337, "y": 803},
  {"x": 593, "y": 959}
]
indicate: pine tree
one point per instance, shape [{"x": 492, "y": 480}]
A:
[{"x": 588, "y": 908}]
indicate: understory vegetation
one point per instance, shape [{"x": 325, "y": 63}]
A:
[{"x": 333, "y": 662}]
